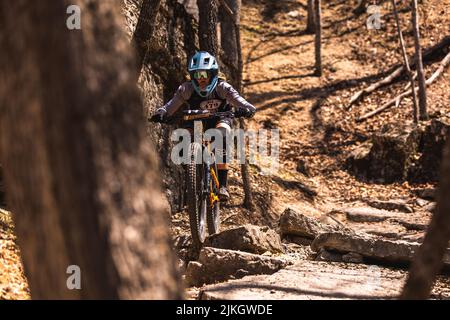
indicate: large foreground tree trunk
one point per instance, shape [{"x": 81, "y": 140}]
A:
[
  {"x": 81, "y": 176},
  {"x": 419, "y": 63},
  {"x": 428, "y": 260}
]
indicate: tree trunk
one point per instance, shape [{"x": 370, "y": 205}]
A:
[
  {"x": 246, "y": 180},
  {"x": 361, "y": 8},
  {"x": 406, "y": 62},
  {"x": 2, "y": 189},
  {"x": 318, "y": 40},
  {"x": 144, "y": 29},
  {"x": 428, "y": 260},
  {"x": 229, "y": 40},
  {"x": 310, "y": 24},
  {"x": 208, "y": 11},
  {"x": 231, "y": 45},
  {"x": 419, "y": 63},
  {"x": 82, "y": 179}
]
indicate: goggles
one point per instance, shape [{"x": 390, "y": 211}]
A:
[{"x": 201, "y": 75}]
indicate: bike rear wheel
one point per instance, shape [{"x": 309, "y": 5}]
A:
[{"x": 197, "y": 203}]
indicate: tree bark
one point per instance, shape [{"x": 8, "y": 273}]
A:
[
  {"x": 419, "y": 63},
  {"x": 208, "y": 13},
  {"x": 231, "y": 45},
  {"x": 82, "y": 179},
  {"x": 318, "y": 40},
  {"x": 2, "y": 188},
  {"x": 428, "y": 260},
  {"x": 406, "y": 63},
  {"x": 361, "y": 8},
  {"x": 229, "y": 39},
  {"x": 144, "y": 29},
  {"x": 310, "y": 24},
  {"x": 246, "y": 179}
]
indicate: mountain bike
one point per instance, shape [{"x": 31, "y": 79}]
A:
[{"x": 202, "y": 184}]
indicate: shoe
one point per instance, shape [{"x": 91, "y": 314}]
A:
[{"x": 224, "y": 196}]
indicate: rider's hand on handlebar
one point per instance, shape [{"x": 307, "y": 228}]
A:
[
  {"x": 244, "y": 113},
  {"x": 159, "y": 116}
]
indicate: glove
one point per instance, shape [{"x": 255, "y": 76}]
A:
[
  {"x": 159, "y": 116},
  {"x": 244, "y": 113}
]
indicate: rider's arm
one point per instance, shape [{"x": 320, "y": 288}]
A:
[
  {"x": 183, "y": 94},
  {"x": 226, "y": 91}
]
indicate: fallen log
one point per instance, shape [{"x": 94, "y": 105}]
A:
[
  {"x": 428, "y": 56},
  {"x": 364, "y": 92},
  {"x": 396, "y": 101}
]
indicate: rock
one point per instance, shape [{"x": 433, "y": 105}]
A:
[
  {"x": 365, "y": 214},
  {"x": 421, "y": 202},
  {"x": 312, "y": 280},
  {"x": 402, "y": 153},
  {"x": 352, "y": 257},
  {"x": 431, "y": 148},
  {"x": 427, "y": 193},
  {"x": 387, "y": 157},
  {"x": 325, "y": 255},
  {"x": 389, "y": 235},
  {"x": 302, "y": 167},
  {"x": 411, "y": 225},
  {"x": 430, "y": 207},
  {"x": 296, "y": 252},
  {"x": 293, "y": 14},
  {"x": 215, "y": 265},
  {"x": 293, "y": 223},
  {"x": 358, "y": 160},
  {"x": 389, "y": 251},
  {"x": 248, "y": 238},
  {"x": 298, "y": 240},
  {"x": 183, "y": 247},
  {"x": 391, "y": 205}
]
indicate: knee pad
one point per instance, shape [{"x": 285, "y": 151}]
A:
[{"x": 225, "y": 130}]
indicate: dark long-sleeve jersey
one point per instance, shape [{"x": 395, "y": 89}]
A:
[{"x": 224, "y": 94}]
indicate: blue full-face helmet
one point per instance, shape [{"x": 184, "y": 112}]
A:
[{"x": 204, "y": 61}]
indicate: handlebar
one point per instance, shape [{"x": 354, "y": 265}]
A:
[{"x": 192, "y": 115}]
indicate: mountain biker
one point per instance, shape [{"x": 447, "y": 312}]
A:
[{"x": 206, "y": 91}]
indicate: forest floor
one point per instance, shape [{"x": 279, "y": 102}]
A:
[
  {"x": 317, "y": 132},
  {"x": 13, "y": 284}
]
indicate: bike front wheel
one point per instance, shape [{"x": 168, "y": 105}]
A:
[{"x": 197, "y": 203}]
